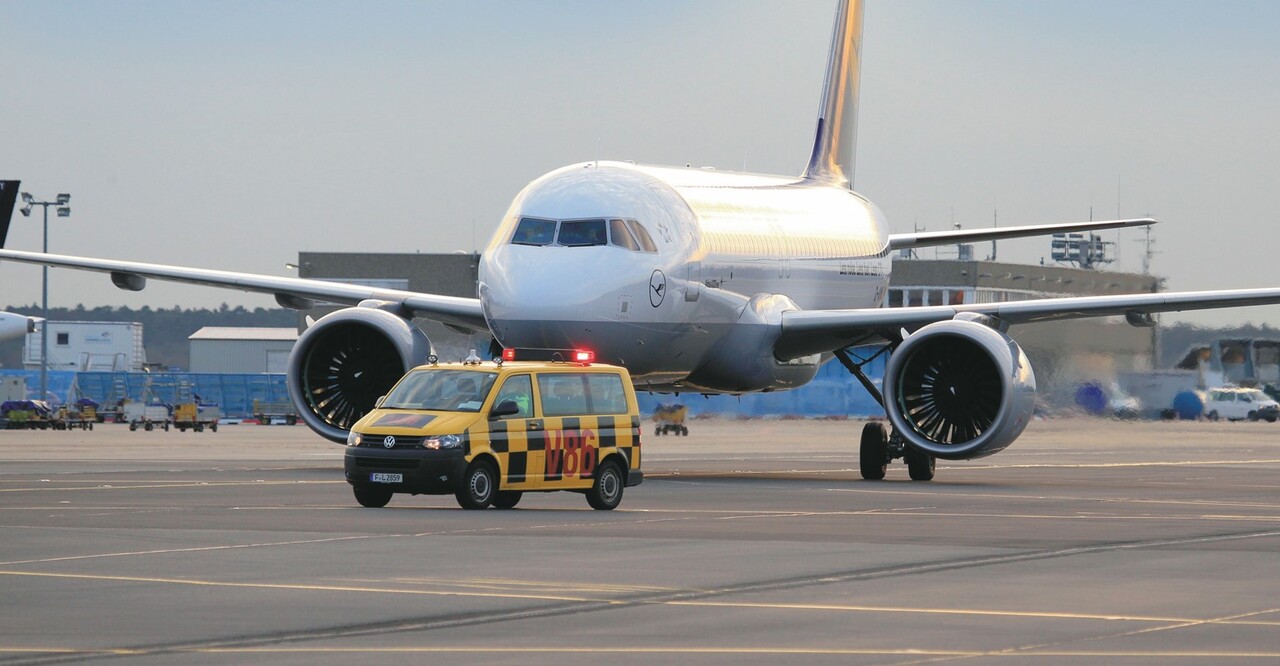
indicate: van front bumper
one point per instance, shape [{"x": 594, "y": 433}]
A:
[{"x": 422, "y": 471}]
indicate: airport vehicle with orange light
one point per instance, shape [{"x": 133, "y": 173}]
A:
[{"x": 489, "y": 432}]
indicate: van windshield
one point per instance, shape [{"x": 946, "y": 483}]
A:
[{"x": 441, "y": 390}]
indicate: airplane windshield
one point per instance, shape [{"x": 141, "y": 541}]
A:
[
  {"x": 532, "y": 231},
  {"x": 626, "y": 234},
  {"x": 441, "y": 390},
  {"x": 581, "y": 233}
]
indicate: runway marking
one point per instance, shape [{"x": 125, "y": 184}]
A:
[
  {"x": 142, "y": 485},
  {"x": 308, "y": 588},
  {"x": 650, "y": 650}
]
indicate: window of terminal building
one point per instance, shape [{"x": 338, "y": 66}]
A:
[
  {"x": 915, "y": 298},
  {"x": 64, "y": 339},
  {"x": 895, "y": 298}
]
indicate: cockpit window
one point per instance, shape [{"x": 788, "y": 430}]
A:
[
  {"x": 646, "y": 243},
  {"x": 620, "y": 236},
  {"x": 581, "y": 233},
  {"x": 532, "y": 231}
]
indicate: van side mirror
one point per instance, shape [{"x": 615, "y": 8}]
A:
[
  {"x": 378, "y": 403},
  {"x": 504, "y": 408}
]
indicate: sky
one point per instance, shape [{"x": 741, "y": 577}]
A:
[{"x": 234, "y": 135}]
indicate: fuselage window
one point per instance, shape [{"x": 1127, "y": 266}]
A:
[
  {"x": 532, "y": 231},
  {"x": 642, "y": 236},
  {"x": 618, "y": 235},
  {"x": 582, "y": 233}
]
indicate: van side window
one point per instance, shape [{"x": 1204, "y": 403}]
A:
[
  {"x": 532, "y": 231},
  {"x": 607, "y": 394},
  {"x": 518, "y": 389},
  {"x": 563, "y": 394}
]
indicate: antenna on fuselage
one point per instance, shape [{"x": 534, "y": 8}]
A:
[{"x": 832, "y": 159}]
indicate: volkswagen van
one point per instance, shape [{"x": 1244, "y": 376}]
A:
[{"x": 489, "y": 432}]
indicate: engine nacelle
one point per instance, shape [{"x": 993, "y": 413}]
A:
[
  {"x": 348, "y": 359},
  {"x": 959, "y": 390}
]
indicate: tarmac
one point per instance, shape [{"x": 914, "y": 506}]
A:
[{"x": 1087, "y": 541}]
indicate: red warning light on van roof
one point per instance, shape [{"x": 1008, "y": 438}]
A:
[{"x": 554, "y": 355}]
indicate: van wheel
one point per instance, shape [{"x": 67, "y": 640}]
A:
[
  {"x": 507, "y": 499},
  {"x": 374, "y": 498},
  {"x": 606, "y": 492},
  {"x": 479, "y": 486}
]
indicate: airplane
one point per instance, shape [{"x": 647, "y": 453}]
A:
[
  {"x": 13, "y": 325},
  {"x": 705, "y": 281}
]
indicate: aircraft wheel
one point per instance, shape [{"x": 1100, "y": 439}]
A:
[
  {"x": 374, "y": 498},
  {"x": 507, "y": 499},
  {"x": 920, "y": 465},
  {"x": 873, "y": 451},
  {"x": 479, "y": 486},
  {"x": 606, "y": 492}
]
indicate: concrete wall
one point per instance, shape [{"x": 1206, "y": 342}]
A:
[{"x": 236, "y": 356}]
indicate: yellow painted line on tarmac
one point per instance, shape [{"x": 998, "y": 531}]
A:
[
  {"x": 1165, "y": 463},
  {"x": 52, "y": 487},
  {"x": 551, "y": 596},
  {"x": 198, "y": 549},
  {"x": 1051, "y": 615},
  {"x": 708, "y": 650},
  {"x": 306, "y": 588}
]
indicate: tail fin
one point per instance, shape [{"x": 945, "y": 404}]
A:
[
  {"x": 8, "y": 196},
  {"x": 833, "y": 147}
]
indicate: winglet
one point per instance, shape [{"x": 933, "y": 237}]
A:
[{"x": 833, "y": 146}]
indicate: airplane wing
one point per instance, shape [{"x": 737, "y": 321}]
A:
[
  {"x": 930, "y": 238},
  {"x": 296, "y": 293},
  {"x": 806, "y": 332}
]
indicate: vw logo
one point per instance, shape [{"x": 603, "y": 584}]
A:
[{"x": 389, "y": 441}]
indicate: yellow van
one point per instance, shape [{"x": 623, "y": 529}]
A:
[{"x": 489, "y": 432}]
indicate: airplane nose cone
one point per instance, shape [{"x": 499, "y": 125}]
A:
[{"x": 545, "y": 296}]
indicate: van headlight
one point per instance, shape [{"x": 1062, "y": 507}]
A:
[
  {"x": 354, "y": 438},
  {"x": 442, "y": 442}
]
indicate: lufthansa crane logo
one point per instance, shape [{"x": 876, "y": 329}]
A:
[{"x": 657, "y": 288}]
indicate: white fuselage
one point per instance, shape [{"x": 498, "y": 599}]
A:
[{"x": 729, "y": 253}]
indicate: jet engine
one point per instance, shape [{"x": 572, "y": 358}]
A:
[
  {"x": 959, "y": 389},
  {"x": 348, "y": 359}
]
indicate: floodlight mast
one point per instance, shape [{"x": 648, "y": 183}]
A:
[{"x": 63, "y": 211}]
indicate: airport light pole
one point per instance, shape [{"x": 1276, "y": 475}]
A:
[{"x": 63, "y": 211}]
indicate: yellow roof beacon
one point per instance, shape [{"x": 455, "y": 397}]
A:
[{"x": 489, "y": 432}]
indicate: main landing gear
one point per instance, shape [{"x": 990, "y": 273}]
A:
[{"x": 879, "y": 446}]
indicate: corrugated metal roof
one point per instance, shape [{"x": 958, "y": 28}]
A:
[{"x": 243, "y": 333}]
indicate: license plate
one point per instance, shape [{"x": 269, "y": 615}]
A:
[{"x": 377, "y": 477}]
